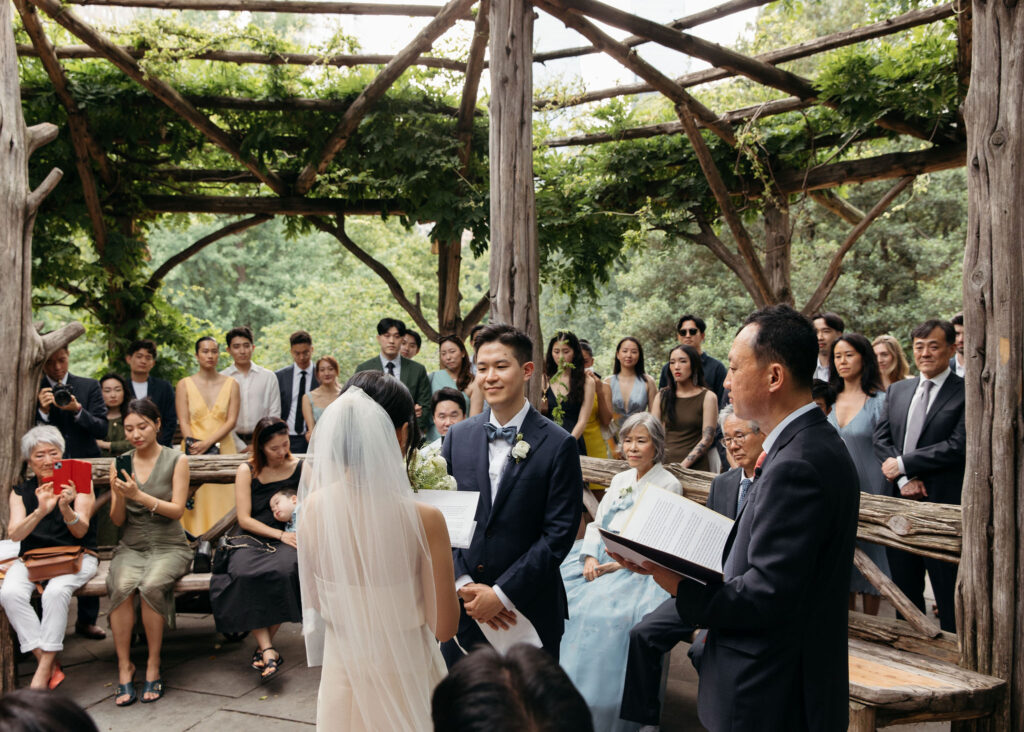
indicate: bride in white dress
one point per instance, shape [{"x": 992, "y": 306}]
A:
[{"x": 378, "y": 588}]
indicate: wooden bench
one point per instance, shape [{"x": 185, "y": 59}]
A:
[{"x": 97, "y": 586}]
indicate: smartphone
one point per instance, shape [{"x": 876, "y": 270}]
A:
[
  {"x": 122, "y": 465},
  {"x": 77, "y": 471}
]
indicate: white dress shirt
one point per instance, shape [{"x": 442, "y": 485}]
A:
[
  {"x": 821, "y": 372},
  {"x": 937, "y": 382},
  {"x": 140, "y": 389},
  {"x": 497, "y": 460},
  {"x": 774, "y": 434},
  {"x": 260, "y": 395},
  {"x": 397, "y": 361},
  {"x": 294, "y": 408}
]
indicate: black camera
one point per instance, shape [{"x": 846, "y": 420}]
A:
[{"x": 62, "y": 395}]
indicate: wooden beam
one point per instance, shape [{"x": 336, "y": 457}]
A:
[
  {"x": 376, "y": 89},
  {"x": 235, "y": 227},
  {"x": 838, "y": 205},
  {"x": 790, "y": 53},
  {"x": 901, "y": 635},
  {"x": 278, "y": 6},
  {"x": 289, "y": 104},
  {"x": 689, "y": 21},
  {"x": 281, "y": 58},
  {"x": 160, "y": 89},
  {"x": 632, "y": 61},
  {"x": 471, "y": 84},
  {"x": 273, "y": 205},
  {"x": 881, "y": 581}
]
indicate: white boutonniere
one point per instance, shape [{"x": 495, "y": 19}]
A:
[{"x": 520, "y": 449}]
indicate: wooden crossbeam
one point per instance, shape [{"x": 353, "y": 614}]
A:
[
  {"x": 278, "y": 6},
  {"x": 160, "y": 89},
  {"x": 376, "y": 89},
  {"x": 275, "y": 205},
  {"x": 235, "y": 227},
  {"x": 838, "y": 205},
  {"x": 894, "y": 594},
  {"x": 282, "y": 58}
]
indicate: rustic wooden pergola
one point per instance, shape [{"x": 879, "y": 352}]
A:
[{"x": 989, "y": 603}]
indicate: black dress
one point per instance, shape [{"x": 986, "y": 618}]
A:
[
  {"x": 570, "y": 416},
  {"x": 260, "y": 587}
]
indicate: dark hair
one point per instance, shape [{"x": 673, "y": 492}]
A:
[
  {"x": 508, "y": 336},
  {"x": 925, "y": 329},
  {"x": 241, "y": 331},
  {"x": 386, "y": 324},
  {"x": 394, "y": 397},
  {"x": 699, "y": 322},
  {"x": 286, "y": 492},
  {"x": 415, "y": 336},
  {"x": 465, "y": 375},
  {"x": 585, "y": 345},
  {"x": 832, "y": 320},
  {"x": 786, "y": 337},
  {"x": 145, "y": 408},
  {"x": 37, "y": 710},
  {"x": 448, "y": 394},
  {"x": 821, "y": 390},
  {"x": 957, "y": 319},
  {"x": 205, "y": 338},
  {"x": 329, "y": 359},
  {"x": 142, "y": 343},
  {"x": 667, "y": 395},
  {"x": 125, "y": 386},
  {"x": 475, "y": 329},
  {"x": 300, "y": 336},
  {"x": 577, "y": 377},
  {"x": 870, "y": 375},
  {"x": 265, "y": 429},
  {"x": 523, "y": 690},
  {"x": 639, "y": 368}
]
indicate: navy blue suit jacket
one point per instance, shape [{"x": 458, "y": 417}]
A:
[
  {"x": 776, "y": 656},
  {"x": 520, "y": 540},
  {"x": 81, "y": 432},
  {"x": 162, "y": 394}
]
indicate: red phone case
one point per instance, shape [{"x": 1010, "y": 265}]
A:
[{"x": 78, "y": 471}]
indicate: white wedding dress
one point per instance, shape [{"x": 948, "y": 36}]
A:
[{"x": 366, "y": 576}]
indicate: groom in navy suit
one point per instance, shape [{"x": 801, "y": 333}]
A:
[{"x": 527, "y": 471}]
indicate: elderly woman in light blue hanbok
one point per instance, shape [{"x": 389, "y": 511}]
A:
[{"x": 605, "y": 603}]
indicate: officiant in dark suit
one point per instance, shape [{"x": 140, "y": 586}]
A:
[
  {"x": 527, "y": 471},
  {"x": 920, "y": 439},
  {"x": 776, "y": 652},
  {"x": 390, "y": 360}
]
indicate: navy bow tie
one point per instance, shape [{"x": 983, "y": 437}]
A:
[{"x": 508, "y": 434}]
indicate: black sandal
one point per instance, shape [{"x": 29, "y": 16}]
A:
[
  {"x": 271, "y": 666},
  {"x": 257, "y": 660}
]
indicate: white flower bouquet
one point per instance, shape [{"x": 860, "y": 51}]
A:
[{"x": 429, "y": 472}]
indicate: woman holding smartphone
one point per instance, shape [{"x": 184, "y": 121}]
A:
[{"x": 148, "y": 497}]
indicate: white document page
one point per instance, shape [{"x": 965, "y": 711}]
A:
[
  {"x": 459, "y": 511},
  {"x": 522, "y": 632},
  {"x": 679, "y": 526}
]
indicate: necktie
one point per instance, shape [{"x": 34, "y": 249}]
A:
[
  {"x": 744, "y": 487},
  {"x": 915, "y": 420},
  {"x": 300, "y": 423},
  {"x": 508, "y": 434},
  {"x": 391, "y": 368}
]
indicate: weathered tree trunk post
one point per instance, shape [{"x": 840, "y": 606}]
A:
[
  {"x": 24, "y": 349},
  {"x": 514, "y": 280},
  {"x": 990, "y": 599}
]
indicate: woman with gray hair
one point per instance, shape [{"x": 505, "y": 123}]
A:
[
  {"x": 603, "y": 602},
  {"x": 43, "y": 515}
]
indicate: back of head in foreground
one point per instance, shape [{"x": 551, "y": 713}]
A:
[
  {"x": 524, "y": 690},
  {"x": 36, "y": 710}
]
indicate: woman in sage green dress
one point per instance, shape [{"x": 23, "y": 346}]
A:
[{"x": 153, "y": 553}]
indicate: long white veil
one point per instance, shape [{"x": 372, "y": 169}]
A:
[{"x": 364, "y": 565}]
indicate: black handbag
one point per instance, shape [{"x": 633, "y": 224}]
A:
[
  {"x": 203, "y": 560},
  {"x": 227, "y": 544}
]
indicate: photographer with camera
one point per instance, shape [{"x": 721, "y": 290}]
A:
[{"x": 74, "y": 405}]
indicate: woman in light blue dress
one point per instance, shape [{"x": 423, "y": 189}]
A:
[
  {"x": 632, "y": 389},
  {"x": 604, "y": 603},
  {"x": 317, "y": 400},
  {"x": 859, "y": 402},
  {"x": 456, "y": 372}
]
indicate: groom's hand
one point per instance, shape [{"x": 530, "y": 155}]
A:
[{"x": 483, "y": 604}]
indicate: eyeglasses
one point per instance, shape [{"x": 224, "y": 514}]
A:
[
  {"x": 689, "y": 331},
  {"x": 737, "y": 438}
]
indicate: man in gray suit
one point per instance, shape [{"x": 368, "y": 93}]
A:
[
  {"x": 661, "y": 629},
  {"x": 390, "y": 333}
]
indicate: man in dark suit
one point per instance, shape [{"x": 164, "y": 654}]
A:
[
  {"x": 691, "y": 331},
  {"x": 920, "y": 439},
  {"x": 661, "y": 629},
  {"x": 390, "y": 333},
  {"x": 776, "y": 651},
  {"x": 294, "y": 382},
  {"x": 81, "y": 421},
  {"x": 141, "y": 359},
  {"x": 527, "y": 471}
]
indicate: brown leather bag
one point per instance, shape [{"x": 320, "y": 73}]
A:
[{"x": 53, "y": 561}]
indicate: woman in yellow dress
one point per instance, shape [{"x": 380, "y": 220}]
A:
[{"x": 207, "y": 405}]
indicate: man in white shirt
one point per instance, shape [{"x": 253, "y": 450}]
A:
[
  {"x": 827, "y": 327},
  {"x": 259, "y": 391},
  {"x": 293, "y": 383},
  {"x": 141, "y": 359}
]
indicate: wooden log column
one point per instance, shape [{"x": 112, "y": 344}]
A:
[
  {"x": 514, "y": 268},
  {"x": 990, "y": 598}
]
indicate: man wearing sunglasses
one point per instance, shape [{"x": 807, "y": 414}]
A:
[{"x": 690, "y": 331}]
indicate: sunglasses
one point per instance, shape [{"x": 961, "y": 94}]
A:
[{"x": 689, "y": 331}]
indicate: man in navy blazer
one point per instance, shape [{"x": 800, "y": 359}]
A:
[
  {"x": 81, "y": 422},
  {"x": 776, "y": 655},
  {"x": 141, "y": 359},
  {"x": 924, "y": 455},
  {"x": 527, "y": 470}
]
